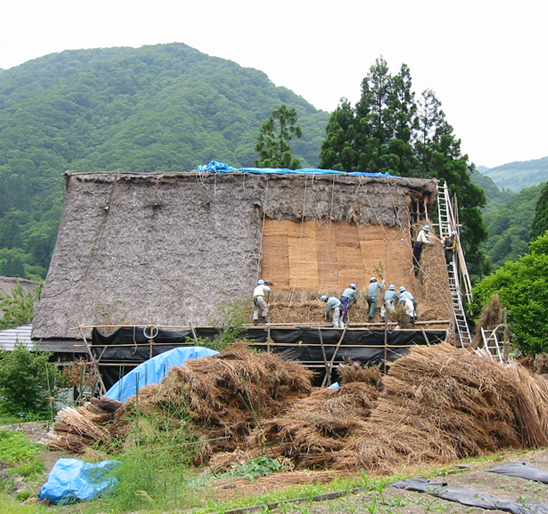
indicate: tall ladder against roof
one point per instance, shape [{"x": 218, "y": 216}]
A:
[{"x": 458, "y": 273}]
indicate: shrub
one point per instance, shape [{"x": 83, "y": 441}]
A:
[{"x": 28, "y": 381}]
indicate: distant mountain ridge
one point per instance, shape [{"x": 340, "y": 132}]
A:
[{"x": 519, "y": 175}]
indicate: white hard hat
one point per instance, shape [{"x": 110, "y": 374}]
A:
[
  {"x": 392, "y": 287},
  {"x": 402, "y": 289},
  {"x": 454, "y": 232},
  {"x": 353, "y": 286},
  {"x": 323, "y": 298},
  {"x": 372, "y": 279}
]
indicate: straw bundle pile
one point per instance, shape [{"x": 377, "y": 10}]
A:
[
  {"x": 316, "y": 428},
  {"x": 351, "y": 371},
  {"x": 491, "y": 317},
  {"x": 77, "y": 429},
  {"x": 226, "y": 395},
  {"x": 442, "y": 404}
]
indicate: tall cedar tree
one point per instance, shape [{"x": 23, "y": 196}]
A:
[
  {"x": 540, "y": 223},
  {"x": 273, "y": 141},
  {"x": 388, "y": 131}
]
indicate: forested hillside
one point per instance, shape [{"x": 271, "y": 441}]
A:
[
  {"x": 509, "y": 227},
  {"x": 516, "y": 176},
  {"x": 156, "y": 108},
  {"x": 495, "y": 197}
]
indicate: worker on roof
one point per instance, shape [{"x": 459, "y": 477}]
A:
[
  {"x": 422, "y": 239},
  {"x": 407, "y": 295},
  {"x": 259, "y": 302},
  {"x": 335, "y": 305},
  {"x": 348, "y": 296},
  {"x": 449, "y": 247},
  {"x": 391, "y": 299},
  {"x": 372, "y": 295}
]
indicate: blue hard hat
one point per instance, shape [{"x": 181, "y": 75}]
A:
[
  {"x": 372, "y": 279},
  {"x": 402, "y": 289},
  {"x": 426, "y": 227},
  {"x": 454, "y": 232},
  {"x": 392, "y": 287},
  {"x": 323, "y": 298},
  {"x": 260, "y": 282},
  {"x": 353, "y": 286}
]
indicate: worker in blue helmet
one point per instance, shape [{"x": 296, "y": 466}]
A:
[
  {"x": 410, "y": 308},
  {"x": 348, "y": 296},
  {"x": 390, "y": 301},
  {"x": 422, "y": 239},
  {"x": 335, "y": 305},
  {"x": 449, "y": 247},
  {"x": 372, "y": 295},
  {"x": 260, "y": 292}
]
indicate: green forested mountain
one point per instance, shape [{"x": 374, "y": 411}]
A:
[
  {"x": 495, "y": 197},
  {"x": 509, "y": 226},
  {"x": 162, "y": 107},
  {"x": 516, "y": 176}
]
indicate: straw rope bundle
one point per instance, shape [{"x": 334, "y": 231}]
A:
[{"x": 352, "y": 371}]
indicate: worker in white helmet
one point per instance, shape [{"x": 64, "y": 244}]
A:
[
  {"x": 259, "y": 302},
  {"x": 348, "y": 296},
  {"x": 390, "y": 301},
  {"x": 422, "y": 239},
  {"x": 335, "y": 305}
]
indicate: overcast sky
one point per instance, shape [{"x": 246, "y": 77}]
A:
[{"x": 486, "y": 60}]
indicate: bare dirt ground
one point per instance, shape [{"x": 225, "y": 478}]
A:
[{"x": 396, "y": 501}]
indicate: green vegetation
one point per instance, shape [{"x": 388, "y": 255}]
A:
[
  {"x": 17, "y": 307},
  {"x": 540, "y": 223},
  {"x": 516, "y": 176},
  {"x": 28, "y": 382},
  {"x": 18, "y": 453},
  {"x": 495, "y": 197},
  {"x": 156, "y": 108},
  {"x": 388, "y": 131},
  {"x": 522, "y": 286},
  {"x": 509, "y": 227},
  {"x": 274, "y": 137}
]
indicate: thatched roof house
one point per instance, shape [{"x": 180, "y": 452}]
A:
[{"x": 172, "y": 248}]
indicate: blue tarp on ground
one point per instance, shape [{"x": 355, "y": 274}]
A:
[
  {"x": 154, "y": 370},
  {"x": 221, "y": 167},
  {"x": 72, "y": 479}
]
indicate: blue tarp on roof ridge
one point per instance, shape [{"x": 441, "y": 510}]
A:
[{"x": 221, "y": 167}]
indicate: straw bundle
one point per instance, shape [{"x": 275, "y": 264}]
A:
[
  {"x": 315, "y": 428},
  {"x": 226, "y": 395},
  {"x": 352, "y": 371},
  {"x": 491, "y": 317},
  {"x": 442, "y": 403},
  {"x": 76, "y": 429},
  {"x": 541, "y": 363}
]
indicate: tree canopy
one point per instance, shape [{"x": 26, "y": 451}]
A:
[
  {"x": 389, "y": 131},
  {"x": 521, "y": 286},
  {"x": 540, "y": 221},
  {"x": 274, "y": 137}
]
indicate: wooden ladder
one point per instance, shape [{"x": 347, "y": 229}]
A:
[
  {"x": 491, "y": 343},
  {"x": 458, "y": 272}
]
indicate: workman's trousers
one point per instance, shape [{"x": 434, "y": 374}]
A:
[
  {"x": 259, "y": 305},
  {"x": 337, "y": 318},
  {"x": 345, "y": 303},
  {"x": 372, "y": 301},
  {"x": 387, "y": 305},
  {"x": 417, "y": 250}
]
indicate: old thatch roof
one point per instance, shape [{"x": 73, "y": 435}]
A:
[
  {"x": 8, "y": 284},
  {"x": 169, "y": 249}
]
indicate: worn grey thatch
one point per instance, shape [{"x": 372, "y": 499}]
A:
[{"x": 170, "y": 248}]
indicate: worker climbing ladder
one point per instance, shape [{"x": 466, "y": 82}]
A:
[{"x": 459, "y": 279}]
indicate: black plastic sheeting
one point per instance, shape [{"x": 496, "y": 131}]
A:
[
  {"x": 471, "y": 497},
  {"x": 130, "y": 345},
  {"x": 521, "y": 470}
]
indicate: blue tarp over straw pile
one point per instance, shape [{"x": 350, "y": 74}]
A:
[{"x": 154, "y": 370}]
